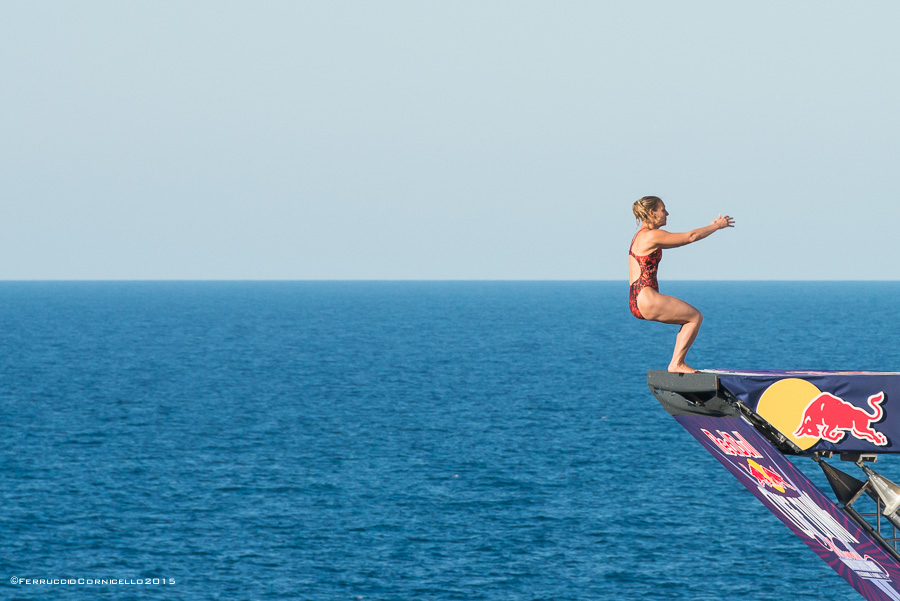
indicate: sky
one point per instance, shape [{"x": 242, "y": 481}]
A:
[{"x": 446, "y": 140}]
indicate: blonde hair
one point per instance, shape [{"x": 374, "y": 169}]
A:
[{"x": 644, "y": 206}]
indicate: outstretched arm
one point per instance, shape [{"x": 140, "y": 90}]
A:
[{"x": 664, "y": 239}]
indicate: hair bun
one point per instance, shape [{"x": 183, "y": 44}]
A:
[{"x": 643, "y": 207}]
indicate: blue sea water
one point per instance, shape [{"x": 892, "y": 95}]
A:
[{"x": 395, "y": 440}]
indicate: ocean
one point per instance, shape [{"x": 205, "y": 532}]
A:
[{"x": 395, "y": 441}]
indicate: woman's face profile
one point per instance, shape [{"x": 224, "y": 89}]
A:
[{"x": 658, "y": 215}]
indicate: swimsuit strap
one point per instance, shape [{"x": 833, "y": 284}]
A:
[{"x": 630, "y": 251}]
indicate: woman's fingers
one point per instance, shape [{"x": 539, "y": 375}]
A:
[{"x": 726, "y": 221}]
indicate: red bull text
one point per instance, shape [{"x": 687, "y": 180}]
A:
[{"x": 732, "y": 444}]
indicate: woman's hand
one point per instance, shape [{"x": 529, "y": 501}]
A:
[{"x": 723, "y": 222}]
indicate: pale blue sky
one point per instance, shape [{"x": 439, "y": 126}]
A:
[{"x": 446, "y": 140}]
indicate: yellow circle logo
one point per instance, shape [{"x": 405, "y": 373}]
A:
[{"x": 782, "y": 405}]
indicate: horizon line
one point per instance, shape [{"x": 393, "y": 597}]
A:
[{"x": 416, "y": 280}]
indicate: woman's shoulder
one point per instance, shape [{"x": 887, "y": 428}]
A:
[
  {"x": 650, "y": 240},
  {"x": 650, "y": 236},
  {"x": 642, "y": 243}
]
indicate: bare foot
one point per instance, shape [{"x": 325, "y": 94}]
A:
[{"x": 682, "y": 368}]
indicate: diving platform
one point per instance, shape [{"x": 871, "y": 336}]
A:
[{"x": 752, "y": 421}]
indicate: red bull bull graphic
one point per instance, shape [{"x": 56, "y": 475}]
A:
[{"x": 831, "y": 418}]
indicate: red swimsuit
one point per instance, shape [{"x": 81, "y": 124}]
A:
[{"x": 648, "y": 264}]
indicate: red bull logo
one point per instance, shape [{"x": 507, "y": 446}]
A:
[
  {"x": 766, "y": 477},
  {"x": 831, "y": 418}
]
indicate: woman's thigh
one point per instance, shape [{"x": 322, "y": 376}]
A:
[{"x": 667, "y": 309}]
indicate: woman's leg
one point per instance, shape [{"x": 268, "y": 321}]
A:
[
  {"x": 668, "y": 309},
  {"x": 683, "y": 341}
]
